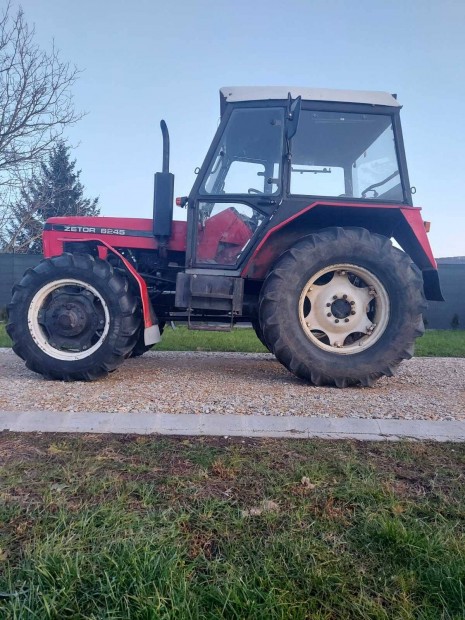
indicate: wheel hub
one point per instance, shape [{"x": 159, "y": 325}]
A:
[
  {"x": 70, "y": 317},
  {"x": 341, "y": 308},
  {"x": 344, "y": 308}
]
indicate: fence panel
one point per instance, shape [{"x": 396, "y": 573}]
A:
[
  {"x": 440, "y": 315},
  {"x": 12, "y": 267}
]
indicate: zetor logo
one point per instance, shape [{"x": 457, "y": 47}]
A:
[{"x": 89, "y": 229}]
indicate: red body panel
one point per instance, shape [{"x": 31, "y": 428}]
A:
[
  {"x": 118, "y": 232},
  {"x": 147, "y": 309},
  {"x": 264, "y": 254},
  {"x": 415, "y": 221},
  {"x": 225, "y": 234}
]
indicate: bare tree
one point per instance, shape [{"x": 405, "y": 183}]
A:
[{"x": 35, "y": 104}]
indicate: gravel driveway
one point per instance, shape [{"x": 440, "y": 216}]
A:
[{"x": 238, "y": 383}]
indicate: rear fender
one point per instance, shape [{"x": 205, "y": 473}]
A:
[
  {"x": 411, "y": 235},
  {"x": 404, "y": 224}
]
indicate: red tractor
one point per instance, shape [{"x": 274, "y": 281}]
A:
[{"x": 289, "y": 227}]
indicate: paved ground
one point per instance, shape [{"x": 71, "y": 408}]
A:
[{"x": 232, "y": 425}]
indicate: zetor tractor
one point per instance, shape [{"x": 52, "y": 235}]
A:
[{"x": 289, "y": 227}]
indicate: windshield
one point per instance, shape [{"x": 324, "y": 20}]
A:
[
  {"x": 345, "y": 154},
  {"x": 248, "y": 157}
]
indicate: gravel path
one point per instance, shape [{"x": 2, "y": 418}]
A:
[{"x": 238, "y": 383}]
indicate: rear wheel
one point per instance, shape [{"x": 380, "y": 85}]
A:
[
  {"x": 259, "y": 333},
  {"x": 72, "y": 318},
  {"x": 342, "y": 307}
]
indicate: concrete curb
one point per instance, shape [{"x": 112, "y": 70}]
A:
[{"x": 231, "y": 425}]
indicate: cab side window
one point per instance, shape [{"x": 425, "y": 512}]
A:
[{"x": 248, "y": 157}]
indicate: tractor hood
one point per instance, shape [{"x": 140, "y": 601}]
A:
[{"x": 115, "y": 231}]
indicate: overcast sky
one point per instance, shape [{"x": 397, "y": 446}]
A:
[{"x": 144, "y": 60}]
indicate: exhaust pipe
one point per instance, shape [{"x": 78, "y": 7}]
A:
[
  {"x": 166, "y": 147},
  {"x": 163, "y": 195}
]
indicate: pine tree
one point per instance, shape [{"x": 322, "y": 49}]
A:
[{"x": 54, "y": 192}]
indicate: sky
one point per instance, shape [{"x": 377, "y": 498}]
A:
[{"x": 144, "y": 60}]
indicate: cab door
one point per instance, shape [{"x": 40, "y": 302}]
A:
[{"x": 238, "y": 189}]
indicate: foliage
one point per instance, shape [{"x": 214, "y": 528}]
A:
[{"x": 55, "y": 191}]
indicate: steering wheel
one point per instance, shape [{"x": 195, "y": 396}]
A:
[
  {"x": 252, "y": 190},
  {"x": 370, "y": 189}
]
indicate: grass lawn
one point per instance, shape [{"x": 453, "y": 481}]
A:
[
  {"x": 434, "y": 343},
  {"x": 160, "y": 528}
]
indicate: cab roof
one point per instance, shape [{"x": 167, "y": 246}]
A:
[{"x": 234, "y": 94}]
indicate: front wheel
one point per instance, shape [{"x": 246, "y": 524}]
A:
[
  {"x": 342, "y": 307},
  {"x": 72, "y": 318}
]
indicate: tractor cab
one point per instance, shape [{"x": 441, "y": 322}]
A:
[{"x": 276, "y": 149}]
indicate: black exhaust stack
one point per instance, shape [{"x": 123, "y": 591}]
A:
[{"x": 163, "y": 195}]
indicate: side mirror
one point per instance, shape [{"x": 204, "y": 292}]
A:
[{"x": 293, "y": 115}]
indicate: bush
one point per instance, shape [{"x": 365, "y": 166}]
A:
[{"x": 455, "y": 321}]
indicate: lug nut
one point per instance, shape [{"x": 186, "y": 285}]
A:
[
  {"x": 346, "y": 320},
  {"x": 334, "y": 296},
  {"x": 329, "y": 314},
  {"x": 352, "y": 303},
  {"x": 328, "y": 305},
  {"x": 353, "y": 312},
  {"x": 336, "y": 321},
  {"x": 344, "y": 297}
]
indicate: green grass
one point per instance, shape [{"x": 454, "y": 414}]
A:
[
  {"x": 183, "y": 339},
  {"x": 158, "y": 528},
  {"x": 441, "y": 343},
  {"x": 4, "y": 338},
  {"x": 435, "y": 343}
]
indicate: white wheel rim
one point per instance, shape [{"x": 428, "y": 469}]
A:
[
  {"x": 346, "y": 312},
  {"x": 42, "y": 339}
]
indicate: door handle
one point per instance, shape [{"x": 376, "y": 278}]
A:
[{"x": 267, "y": 202}]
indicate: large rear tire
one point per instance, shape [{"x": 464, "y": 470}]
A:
[
  {"x": 342, "y": 307},
  {"x": 72, "y": 318},
  {"x": 259, "y": 333}
]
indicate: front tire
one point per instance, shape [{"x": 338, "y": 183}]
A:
[
  {"x": 72, "y": 318},
  {"x": 342, "y": 307}
]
